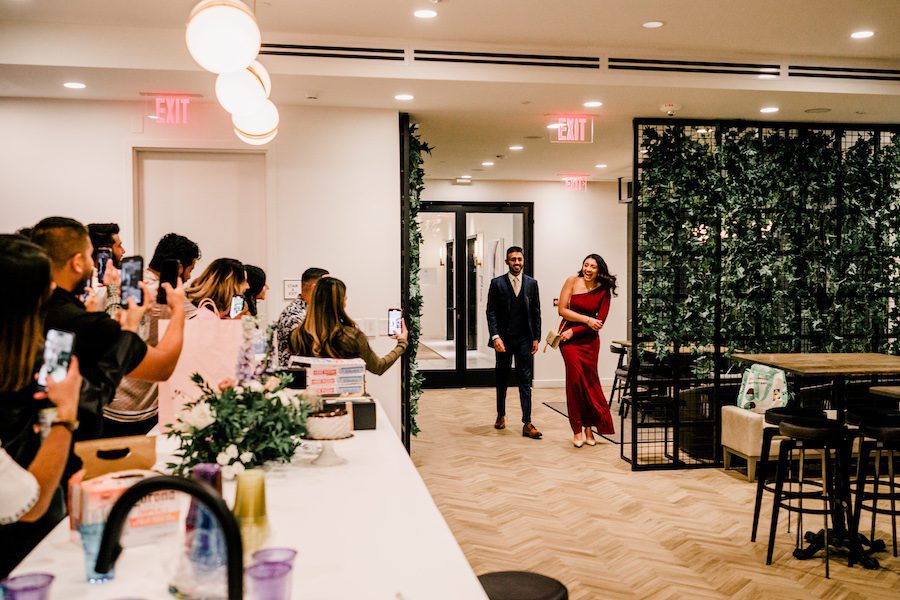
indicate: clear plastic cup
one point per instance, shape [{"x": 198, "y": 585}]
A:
[
  {"x": 31, "y": 586},
  {"x": 285, "y": 555},
  {"x": 269, "y": 580},
  {"x": 90, "y": 540}
]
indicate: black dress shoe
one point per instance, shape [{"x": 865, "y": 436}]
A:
[
  {"x": 529, "y": 431},
  {"x": 500, "y": 423}
]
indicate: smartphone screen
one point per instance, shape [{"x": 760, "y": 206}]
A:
[
  {"x": 168, "y": 273},
  {"x": 132, "y": 274},
  {"x": 237, "y": 306},
  {"x": 57, "y": 354},
  {"x": 103, "y": 256},
  {"x": 395, "y": 318}
]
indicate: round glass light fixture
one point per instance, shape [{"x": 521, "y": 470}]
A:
[
  {"x": 487, "y": 163},
  {"x": 766, "y": 110},
  {"x": 259, "y": 127},
  {"x": 593, "y": 104},
  {"x": 243, "y": 92},
  {"x": 425, "y": 14},
  {"x": 74, "y": 85},
  {"x": 653, "y": 24},
  {"x": 861, "y": 35},
  {"x": 404, "y": 97},
  {"x": 222, "y": 35},
  {"x": 516, "y": 147}
]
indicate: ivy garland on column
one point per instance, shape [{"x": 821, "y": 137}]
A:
[{"x": 415, "y": 185}]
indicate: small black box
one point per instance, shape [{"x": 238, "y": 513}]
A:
[
  {"x": 363, "y": 409},
  {"x": 299, "y": 375}
]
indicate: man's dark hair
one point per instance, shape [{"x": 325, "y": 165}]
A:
[
  {"x": 61, "y": 237},
  {"x": 24, "y": 232},
  {"x": 174, "y": 246},
  {"x": 102, "y": 235},
  {"x": 312, "y": 274},
  {"x": 512, "y": 249}
]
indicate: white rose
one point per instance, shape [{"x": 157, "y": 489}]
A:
[
  {"x": 200, "y": 416},
  {"x": 239, "y": 390},
  {"x": 179, "y": 426},
  {"x": 223, "y": 459},
  {"x": 246, "y": 457},
  {"x": 285, "y": 396},
  {"x": 272, "y": 383},
  {"x": 228, "y": 472},
  {"x": 255, "y": 386},
  {"x": 237, "y": 468},
  {"x": 231, "y": 451}
]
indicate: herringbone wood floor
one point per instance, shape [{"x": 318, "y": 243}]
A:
[{"x": 582, "y": 516}]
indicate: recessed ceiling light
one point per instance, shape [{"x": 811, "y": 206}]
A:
[
  {"x": 404, "y": 97},
  {"x": 767, "y": 76},
  {"x": 154, "y": 117},
  {"x": 653, "y": 24},
  {"x": 425, "y": 14},
  {"x": 861, "y": 35},
  {"x": 817, "y": 111},
  {"x": 465, "y": 177},
  {"x": 554, "y": 126},
  {"x": 600, "y": 166},
  {"x": 74, "y": 85},
  {"x": 516, "y": 147},
  {"x": 593, "y": 104},
  {"x": 768, "y": 109},
  {"x": 487, "y": 163}
]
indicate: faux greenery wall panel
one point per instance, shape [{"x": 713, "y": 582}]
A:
[{"x": 768, "y": 238}]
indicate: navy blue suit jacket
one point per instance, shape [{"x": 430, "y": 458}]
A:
[{"x": 500, "y": 296}]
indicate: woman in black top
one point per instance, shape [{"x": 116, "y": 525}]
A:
[{"x": 256, "y": 279}]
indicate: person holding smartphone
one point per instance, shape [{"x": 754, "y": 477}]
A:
[
  {"x": 213, "y": 292},
  {"x": 328, "y": 331}
]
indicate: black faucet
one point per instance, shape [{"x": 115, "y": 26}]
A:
[{"x": 234, "y": 548}]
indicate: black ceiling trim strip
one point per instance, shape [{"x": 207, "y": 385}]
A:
[
  {"x": 593, "y": 59},
  {"x": 519, "y": 63},
  {"x": 338, "y": 48},
  {"x": 839, "y": 76},
  {"x": 683, "y": 70},
  {"x": 328, "y": 55},
  {"x": 692, "y": 62},
  {"x": 845, "y": 70}
]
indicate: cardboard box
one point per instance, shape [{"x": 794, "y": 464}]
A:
[{"x": 361, "y": 407}]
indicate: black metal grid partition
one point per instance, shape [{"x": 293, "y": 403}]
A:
[{"x": 758, "y": 237}]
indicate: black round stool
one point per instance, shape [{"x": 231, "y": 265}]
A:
[
  {"x": 882, "y": 436},
  {"x": 522, "y": 585},
  {"x": 825, "y": 436},
  {"x": 773, "y": 418}
]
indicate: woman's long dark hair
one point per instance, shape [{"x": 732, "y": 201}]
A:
[
  {"x": 604, "y": 277},
  {"x": 322, "y": 333},
  {"x": 256, "y": 279},
  {"x": 26, "y": 267}
]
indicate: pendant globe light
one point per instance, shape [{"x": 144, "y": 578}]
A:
[
  {"x": 259, "y": 127},
  {"x": 244, "y": 91},
  {"x": 222, "y": 35}
]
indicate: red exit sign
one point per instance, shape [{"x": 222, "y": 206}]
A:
[
  {"x": 172, "y": 110},
  {"x": 573, "y": 129}
]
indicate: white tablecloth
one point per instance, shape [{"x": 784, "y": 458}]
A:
[{"x": 364, "y": 529}]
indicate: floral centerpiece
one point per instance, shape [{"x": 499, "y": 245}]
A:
[{"x": 239, "y": 426}]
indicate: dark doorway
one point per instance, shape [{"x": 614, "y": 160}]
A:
[
  {"x": 450, "y": 280},
  {"x": 471, "y": 296}
]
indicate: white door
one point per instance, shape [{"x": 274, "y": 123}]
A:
[{"x": 217, "y": 199}]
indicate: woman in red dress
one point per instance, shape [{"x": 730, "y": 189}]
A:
[{"x": 584, "y": 304}]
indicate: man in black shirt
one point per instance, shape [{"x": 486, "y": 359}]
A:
[{"x": 69, "y": 247}]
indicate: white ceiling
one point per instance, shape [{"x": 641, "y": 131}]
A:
[{"x": 472, "y": 114}]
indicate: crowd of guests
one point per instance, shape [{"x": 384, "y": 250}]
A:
[{"x": 119, "y": 356}]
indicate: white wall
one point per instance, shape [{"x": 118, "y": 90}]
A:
[
  {"x": 332, "y": 198},
  {"x": 567, "y": 227}
]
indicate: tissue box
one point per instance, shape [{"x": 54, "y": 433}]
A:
[{"x": 362, "y": 408}]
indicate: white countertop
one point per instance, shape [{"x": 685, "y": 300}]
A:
[{"x": 367, "y": 529}]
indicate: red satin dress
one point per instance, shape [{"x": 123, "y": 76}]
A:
[{"x": 586, "y": 403}]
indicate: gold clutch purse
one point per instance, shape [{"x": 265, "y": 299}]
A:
[{"x": 553, "y": 340}]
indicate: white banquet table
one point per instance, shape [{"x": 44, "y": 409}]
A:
[{"x": 365, "y": 529}]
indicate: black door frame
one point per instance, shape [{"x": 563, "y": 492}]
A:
[{"x": 461, "y": 376}]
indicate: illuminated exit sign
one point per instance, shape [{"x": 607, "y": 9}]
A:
[
  {"x": 575, "y": 182},
  {"x": 172, "y": 110},
  {"x": 573, "y": 129}
]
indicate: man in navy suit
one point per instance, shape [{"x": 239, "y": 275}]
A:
[{"x": 514, "y": 323}]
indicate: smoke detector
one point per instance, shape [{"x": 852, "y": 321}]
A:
[{"x": 669, "y": 108}]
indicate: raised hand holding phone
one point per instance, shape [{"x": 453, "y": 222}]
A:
[
  {"x": 237, "y": 307},
  {"x": 58, "y": 347},
  {"x": 132, "y": 277},
  {"x": 395, "y": 319}
]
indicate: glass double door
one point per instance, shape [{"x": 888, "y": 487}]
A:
[{"x": 463, "y": 247}]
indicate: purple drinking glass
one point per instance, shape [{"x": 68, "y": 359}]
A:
[
  {"x": 269, "y": 581},
  {"x": 285, "y": 555},
  {"x": 32, "y": 586}
]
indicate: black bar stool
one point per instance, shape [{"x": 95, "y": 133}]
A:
[
  {"x": 620, "y": 382},
  {"x": 522, "y": 585},
  {"x": 811, "y": 434},
  {"x": 882, "y": 436},
  {"x": 773, "y": 418}
]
